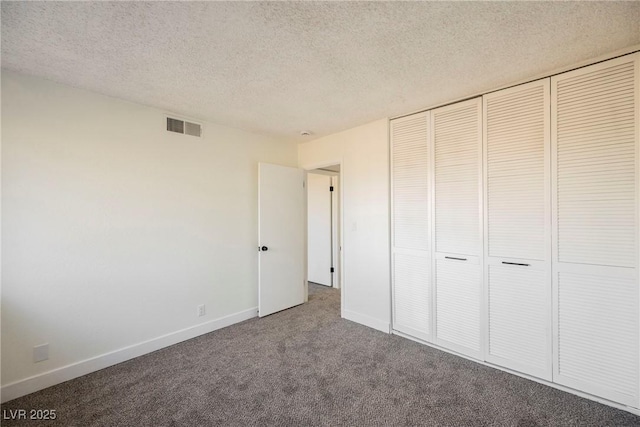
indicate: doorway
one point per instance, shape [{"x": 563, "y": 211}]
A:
[{"x": 323, "y": 226}]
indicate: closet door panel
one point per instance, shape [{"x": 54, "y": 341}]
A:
[
  {"x": 412, "y": 294},
  {"x": 519, "y": 318},
  {"x": 410, "y": 181},
  {"x": 518, "y": 228},
  {"x": 517, "y": 151},
  {"x": 457, "y": 176},
  {"x": 596, "y": 173},
  {"x": 456, "y": 136},
  {"x": 595, "y": 136},
  {"x": 411, "y": 259},
  {"x": 598, "y": 331},
  {"x": 458, "y": 305}
]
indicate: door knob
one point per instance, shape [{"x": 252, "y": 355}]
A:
[{"x": 264, "y": 248}]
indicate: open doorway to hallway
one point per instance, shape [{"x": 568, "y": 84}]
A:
[{"x": 323, "y": 226}]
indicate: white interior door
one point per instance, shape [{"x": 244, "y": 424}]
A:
[
  {"x": 411, "y": 236},
  {"x": 281, "y": 219},
  {"x": 457, "y": 173},
  {"x": 518, "y": 228},
  {"x": 319, "y": 229},
  {"x": 595, "y": 134}
]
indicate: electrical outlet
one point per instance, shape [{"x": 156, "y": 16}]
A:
[
  {"x": 201, "y": 310},
  {"x": 40, "y": 353}
]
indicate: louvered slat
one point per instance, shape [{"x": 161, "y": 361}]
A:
[
  {"x": 517, "y": 221},
  {"x": 410, "y": 196},
  {"x": 456, "y": 140},
  {"x": 458, "y": 306},
  {"x": 600, "y": 197},
  {"x": 595, "y": 209},
  {"x": 412, "y": 294},
  {"x": 597, "y": 326},
  {"x": 519, "y": 318},
  {"x": 410, "y": 182},
  {"x": 515, "y": 144}
]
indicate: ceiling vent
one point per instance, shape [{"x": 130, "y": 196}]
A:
[{"x": 183, "y": 127}]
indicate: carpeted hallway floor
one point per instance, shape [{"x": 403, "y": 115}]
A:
[{"x": 307, "y": 366}]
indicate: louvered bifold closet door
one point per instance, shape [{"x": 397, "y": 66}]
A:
[
  {"x": 595, "y": 228},
  {"x": 518, "y": 228},
  {"x": 457, "y": 175},
  {"x": 411, "y": 259}
]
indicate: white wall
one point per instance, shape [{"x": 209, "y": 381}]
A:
[
  {"x": 364, "y": 156},
  {"x": 114, "y": 230}
]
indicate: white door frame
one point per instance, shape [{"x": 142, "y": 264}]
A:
[
  {"x": 335, "y": 231},
  {"x": 341, "y": 268}
]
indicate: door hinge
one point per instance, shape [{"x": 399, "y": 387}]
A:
[
  {"x": 332, "y": 270},
  {"x": 331, "y": 188}
]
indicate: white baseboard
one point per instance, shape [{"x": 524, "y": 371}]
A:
[
  {"x": 59, "y": 375},
  {"x": 363, "y": 319}
]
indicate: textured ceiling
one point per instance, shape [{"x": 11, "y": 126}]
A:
[{"x": 281, "y": 67}]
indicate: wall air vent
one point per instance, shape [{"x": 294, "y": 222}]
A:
[{"x": 186, "y": 128}]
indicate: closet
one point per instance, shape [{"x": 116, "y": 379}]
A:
[{"x": 515, "y": 228}]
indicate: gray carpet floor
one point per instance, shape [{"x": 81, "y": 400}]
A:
[{"x": 307, "y": 366}]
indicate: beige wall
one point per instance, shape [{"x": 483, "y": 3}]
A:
[
  {"x": 364, "y": 156},
  {"x": 115, "y": 230}
]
